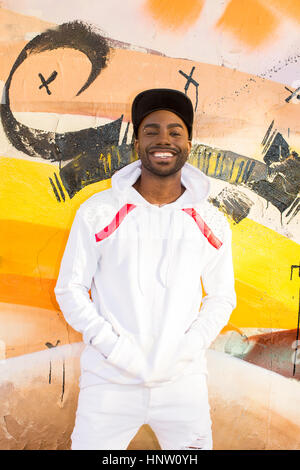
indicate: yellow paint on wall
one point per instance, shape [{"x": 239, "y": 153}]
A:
[
  {"x": 256, "y": 309},
  {"x": 26, "y": 194},
  {"x": 263, "y": 258}
]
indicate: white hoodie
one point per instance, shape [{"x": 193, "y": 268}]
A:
[{"x": 144, "y": 265}]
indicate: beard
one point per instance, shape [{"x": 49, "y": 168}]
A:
[{"x": 164, "y": 169}]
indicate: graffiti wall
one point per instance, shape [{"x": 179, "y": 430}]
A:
[{"x": 68, "y": 76}]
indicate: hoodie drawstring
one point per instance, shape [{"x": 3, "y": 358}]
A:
[
  {"x": 141, "y": 261},
  {"x": 168, "y": 256},
  {"x": 145, "y": 257}
]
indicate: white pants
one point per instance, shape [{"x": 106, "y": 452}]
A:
[{"x": 109, "y": 415}]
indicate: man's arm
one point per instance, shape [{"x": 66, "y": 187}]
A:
[
  {"x": 78, "y": 267},
  {"x": 220, "y": 299}
]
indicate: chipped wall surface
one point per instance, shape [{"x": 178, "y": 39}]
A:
[{"x": 68, "y": 76}]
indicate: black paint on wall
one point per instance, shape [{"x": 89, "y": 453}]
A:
[
  {"x": 51, "y": 145},
  {"x": 47, "y": 82},
  {"x": 278, "y": 150},
  {"x": 234, "y": 203},
  {"x": 278, "y": 182},
  {"x": 90, "y": 168}
]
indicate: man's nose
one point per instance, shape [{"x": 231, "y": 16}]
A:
[{"x": 163, "y": 137}]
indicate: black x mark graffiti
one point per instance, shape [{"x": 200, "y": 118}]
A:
[
  {"x": 45, "y": 83},
  {"x": 293, "y": 94},
  {"x": 190, "y": 80}
]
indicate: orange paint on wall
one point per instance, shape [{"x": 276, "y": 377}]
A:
[
  {"x": 26, "y": 290},
  {"x": 64, "y": 61},
  {"x": 290, "y": 8},
  {"x": 29, "y": 249},
  {"x": 249, "y": 21},
  {"x": 176, "y": 15},
  {"x": 229, "y": 99},
  {"x": 26, "y": 329}
]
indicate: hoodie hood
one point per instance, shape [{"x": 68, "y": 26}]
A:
[
  {"x": 197, "y": 188},
  {"x": 197, "y": 185}
]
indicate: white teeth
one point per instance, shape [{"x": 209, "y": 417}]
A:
[{"x": 163, "y": 154}]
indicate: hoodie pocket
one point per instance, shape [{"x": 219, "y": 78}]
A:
[
  {"x": 128, "y": 356},
  {"x": 191, "y": 346},
  {"x": 184, "y": 360}
]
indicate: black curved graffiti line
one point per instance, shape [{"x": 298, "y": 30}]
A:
[{"x": 51, "y": 145}]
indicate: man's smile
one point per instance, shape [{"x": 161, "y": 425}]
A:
[{"x": 162, "y": 154}]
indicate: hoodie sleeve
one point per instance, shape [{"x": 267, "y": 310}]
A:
[
  {"x": 78, "y": 266},
  {"x": 220, "y": 299}
]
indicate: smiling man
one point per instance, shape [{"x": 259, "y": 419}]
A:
[
  {"x": 145, "y": 247},
  {"x": 163, "y": 146}
]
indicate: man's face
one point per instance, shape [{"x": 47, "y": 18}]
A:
[{"x": 163, "y": 144}]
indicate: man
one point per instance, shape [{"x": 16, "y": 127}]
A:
[{"x": 143, "y": 246}]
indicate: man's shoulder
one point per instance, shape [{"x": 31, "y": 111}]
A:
[
  {"x": 213, "y": 218},
  {"x": 99, "y": 208},
  {"x": 101, "y": 198}
]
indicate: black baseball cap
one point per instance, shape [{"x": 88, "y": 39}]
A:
[{"x": 157, "y": 99}]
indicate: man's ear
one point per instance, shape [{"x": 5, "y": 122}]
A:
[
  {"x": 136, "y": 145},
  {"x": 190, "y": 145}
]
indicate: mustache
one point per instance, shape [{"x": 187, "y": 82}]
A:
[{"x": 158, "y": 148}]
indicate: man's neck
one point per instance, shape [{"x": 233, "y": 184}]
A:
[{"x": 159, "y": 190}]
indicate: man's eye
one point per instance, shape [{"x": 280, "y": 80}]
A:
[
  {"x": 151, "y": 133},
  {"x": 175, "y": 134}
]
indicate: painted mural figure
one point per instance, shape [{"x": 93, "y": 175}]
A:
[{"x": 142, "y": 248}]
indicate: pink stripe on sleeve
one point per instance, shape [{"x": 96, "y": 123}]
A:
[
  {"x": 207, "y": 232},
  {"x": 114, "y": 224}
]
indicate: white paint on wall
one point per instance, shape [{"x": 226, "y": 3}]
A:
[{"x": 203, "y": 42}]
